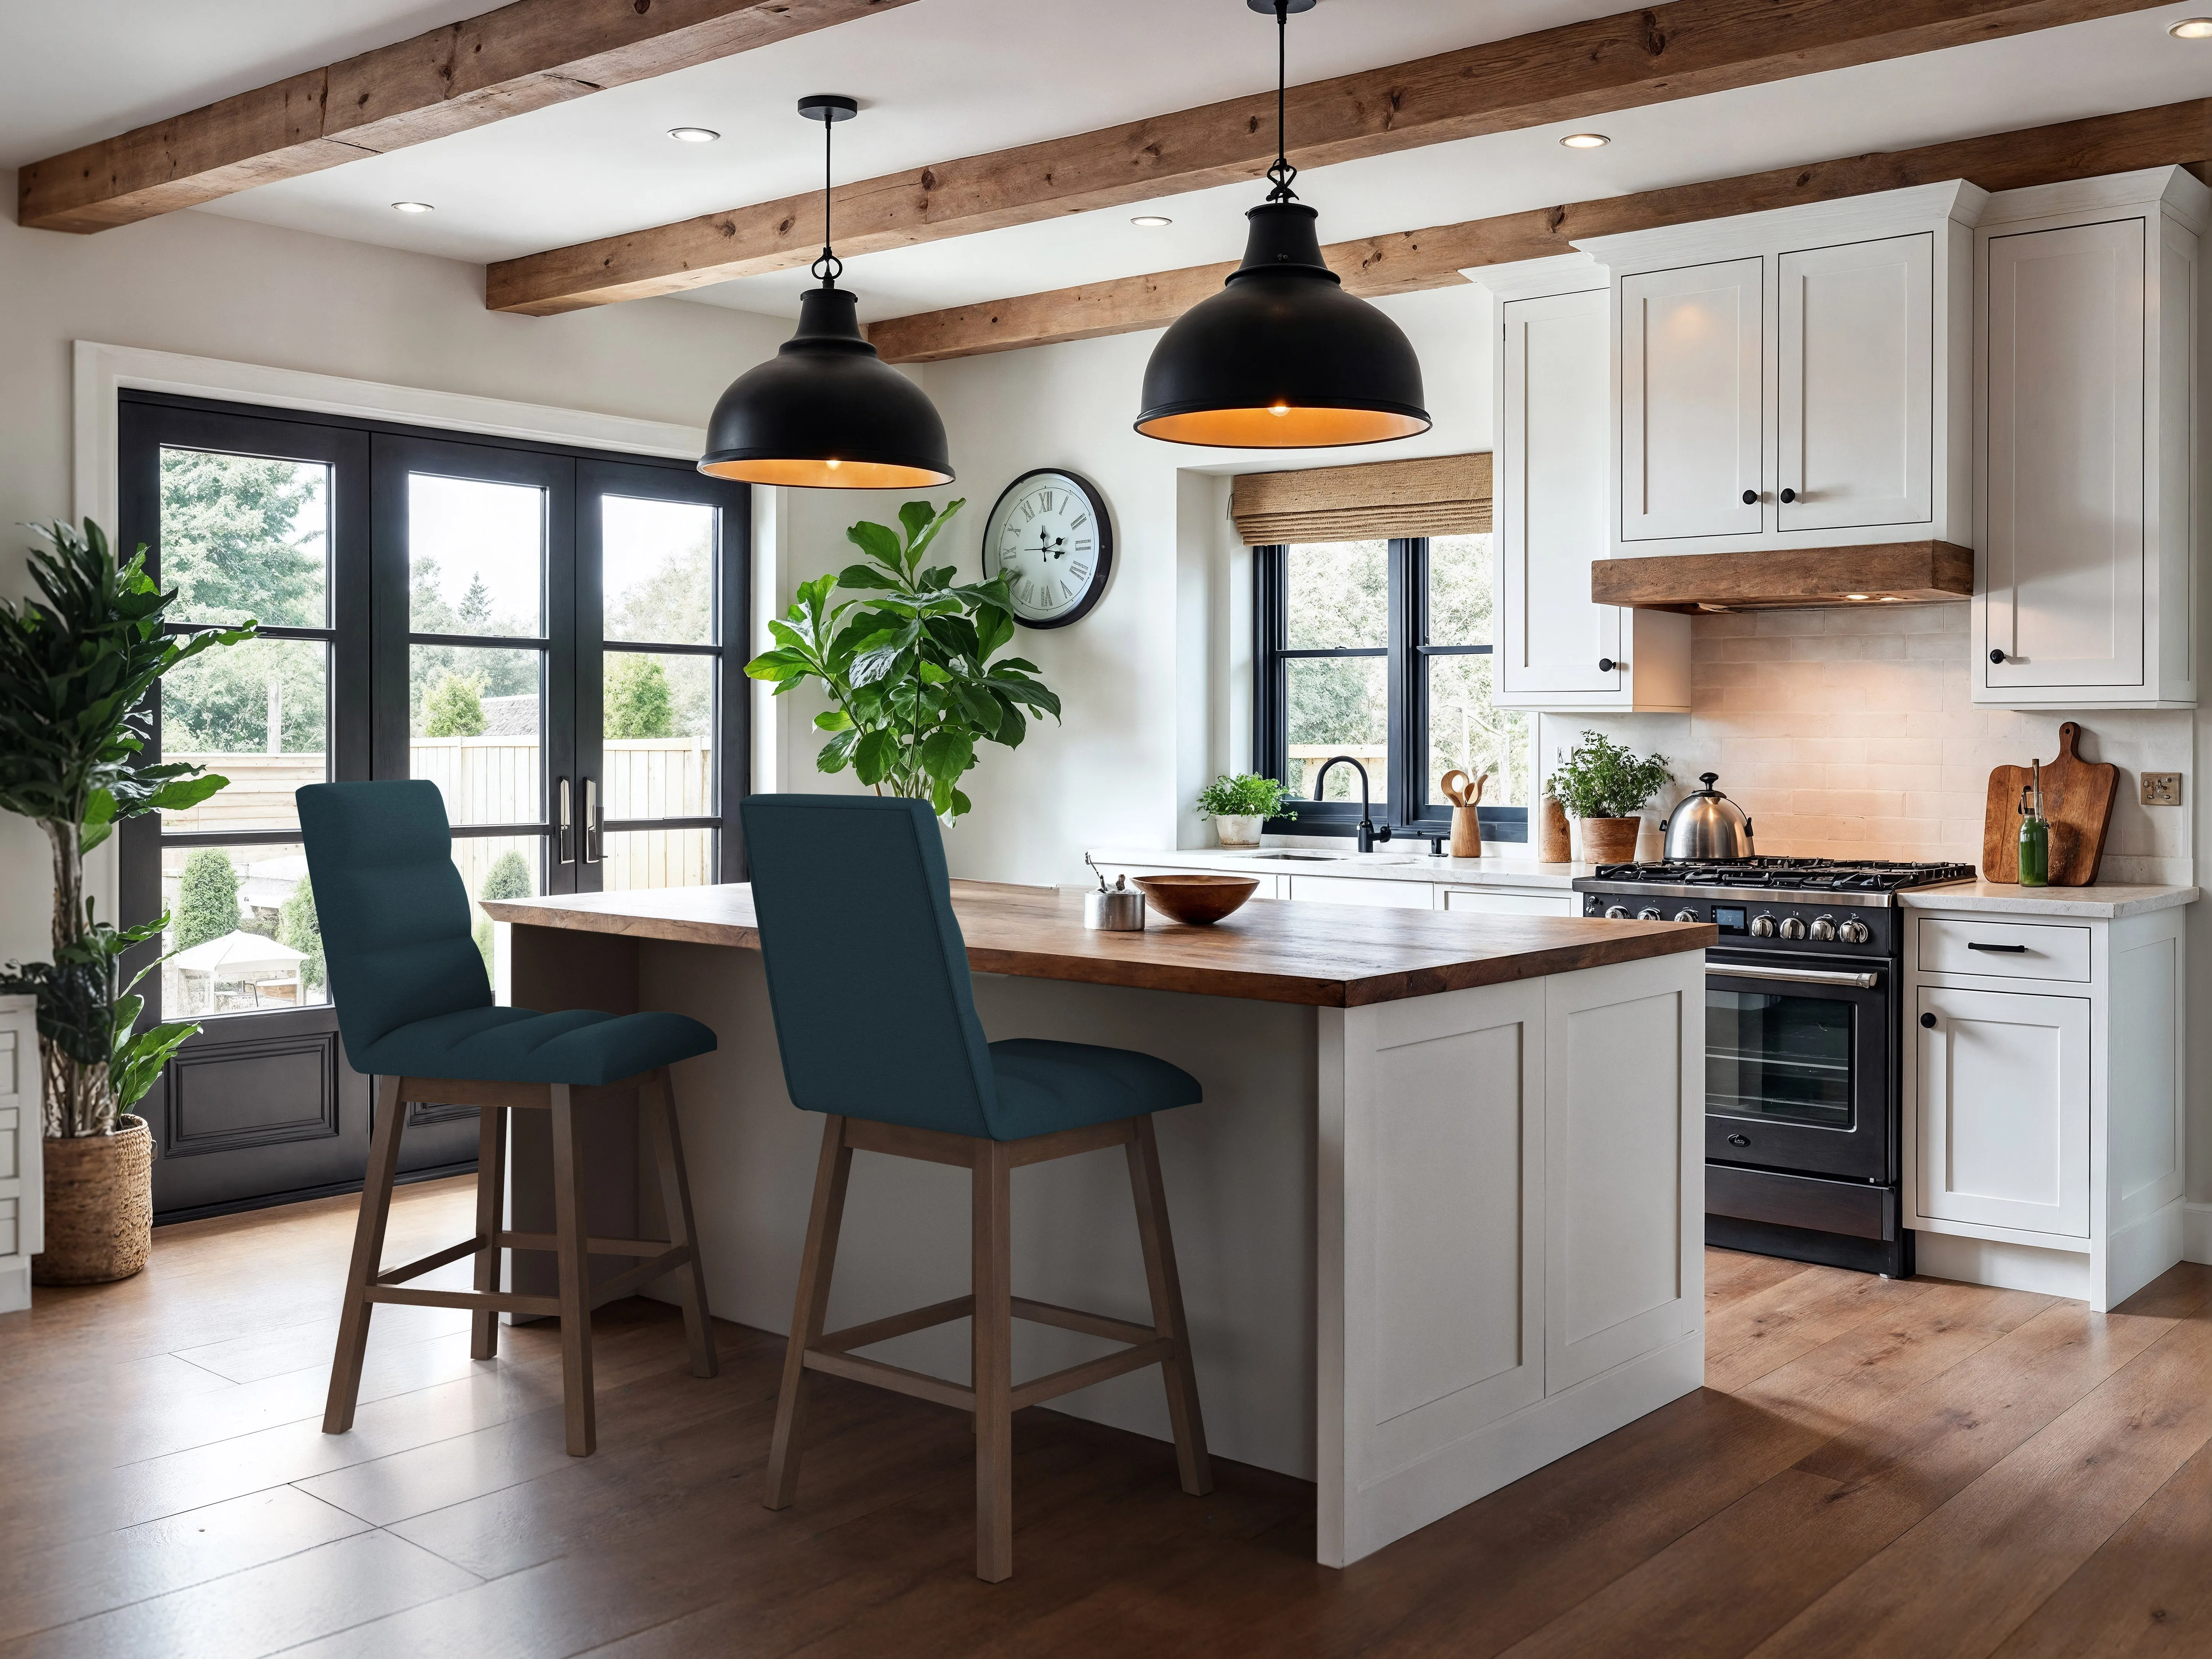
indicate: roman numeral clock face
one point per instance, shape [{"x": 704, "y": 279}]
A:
[{"x": 1049, "y": 536}]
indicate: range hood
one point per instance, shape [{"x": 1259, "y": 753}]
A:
[{"x": 1896, "y": 572}]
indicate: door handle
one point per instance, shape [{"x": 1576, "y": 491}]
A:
[
  {"x": 1792, "y": 976},
  {"x": 1788, "y": 496},
  {"x": 1607, "y": 665},
  {"x": 591, "y": 820},
  {"x": 1998, "y": 950},
  {"x": 1751, "y": 498},
  {"x": 564, "y": 827}
]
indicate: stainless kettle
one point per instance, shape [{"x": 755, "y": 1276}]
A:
[{"x": 1708, "y": 825}]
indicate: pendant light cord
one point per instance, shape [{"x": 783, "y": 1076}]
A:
[
  {"x": 1282, "y": 172},
  {"x": 829, "y": 267}
]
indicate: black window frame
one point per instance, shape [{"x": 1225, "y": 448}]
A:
[{"x": 1407, "y": 811}]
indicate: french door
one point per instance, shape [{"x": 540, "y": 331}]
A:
[{"x": 544, "y": 633}]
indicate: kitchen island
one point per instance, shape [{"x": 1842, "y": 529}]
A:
[{"x": 1440, "y": 1217}]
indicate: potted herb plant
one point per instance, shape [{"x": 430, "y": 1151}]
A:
[
  {"x": 909, "y": 667},
  {"x": 74, "y": 671},
  {"x": 1605, "y": 784},
  {"x": 1242, "y": 805}
]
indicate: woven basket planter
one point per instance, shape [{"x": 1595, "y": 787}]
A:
[{"x": 100, "y": 1206}]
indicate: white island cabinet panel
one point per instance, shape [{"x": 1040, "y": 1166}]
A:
[
  {"x": 1354, "y": 890},
  {"x": 1690, "y": 373}
]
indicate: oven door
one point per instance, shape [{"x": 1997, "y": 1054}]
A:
[{"x": 1798, "y": 1063}]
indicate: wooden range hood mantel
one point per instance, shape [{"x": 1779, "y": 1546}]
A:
[{"x": 1915, "y": 573}]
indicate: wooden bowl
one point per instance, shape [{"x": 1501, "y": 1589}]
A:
[{"x": 1196, "y": 900}]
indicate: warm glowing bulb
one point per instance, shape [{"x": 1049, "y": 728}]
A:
[
  {"x": 1279, "y": 410},
  {"x": 1585, "y": 141},
  {"x": 2192, "y": 28},
  {"x": 410, "y": 207},
  {"x": 1889, "y": 598},
  {"x": 1859, "y": 596},
  {"x": 831, "y": 465}
]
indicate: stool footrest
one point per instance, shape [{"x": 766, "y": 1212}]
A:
[
  {"x": 474, "y": 1301},
  {"x": 628, "y": 1280},
  {"x": 1075, "y": 1319},
  {"x": 513, "y": 1241},
  {"x": 421, "y": 1265},
  {"x": 897, "y": 1378},
  {"x": 883, "y": 1330},
  {"x": 1051, "y": 1387}
]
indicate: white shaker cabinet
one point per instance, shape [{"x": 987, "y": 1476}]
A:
[
  {"x": 2085, "y": 347},
  {"x": 21, "y": 1226},
  {"x": 1551, "y": 403},
  {"x": 2005, "y": 1108},
  {"x": 1691, "y": 373}
]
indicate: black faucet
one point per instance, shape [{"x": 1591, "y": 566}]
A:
[{"x": 1369, "y": 834}]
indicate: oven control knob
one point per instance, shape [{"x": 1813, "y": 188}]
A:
[
  {"x": 1686, "y": 915},
  {"x": 1616, "y": 913},
  {"x": 1649, "y": 913},
  {"x": 1853, "y": 932},
  {"x": 1762, "y": 926},
  {"x": 1793, "y": 927},
  {"x": 1822, "y": 930}
]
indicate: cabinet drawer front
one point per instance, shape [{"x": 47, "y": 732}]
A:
[
  {"x": 1353, "y": 889},
  {"x": 2008, "y": 949},
  {"x": 1489, "y": 901}
]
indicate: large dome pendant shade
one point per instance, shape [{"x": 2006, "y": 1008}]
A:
[
  {"x": 826, "y": 412},
  {"x": 1283, "y": 358}
]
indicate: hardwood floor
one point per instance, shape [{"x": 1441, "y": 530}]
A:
[{"x": 1880, "y": 1468}]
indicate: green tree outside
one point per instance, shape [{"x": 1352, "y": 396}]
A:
[
  {"x": 297, "y": 927},
  {"x": 207, "y": 899},
  {"x": 637, "y": 704},
  {"x": 508, "y": 878},
  {"x": 454, "y": 709}
]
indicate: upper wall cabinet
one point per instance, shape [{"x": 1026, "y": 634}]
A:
[
  {"x": 1795, "y": 378},
  {"x": 2086, "y": 418}
]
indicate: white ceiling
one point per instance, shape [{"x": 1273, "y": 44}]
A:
[{"x": 938, "y": 79}]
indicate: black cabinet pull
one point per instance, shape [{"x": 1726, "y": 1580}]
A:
[
  {"x": 1751, "y": 498},
  {"x": 1999, "y": 949},
  {"x": 1607, "y": 665},
  {"x": 1928, "y": 1020},
  {"x": 1739, "y": 1141},
  {"x": 1789, "y": 495},
  {"x": 1996, "y": 656}
]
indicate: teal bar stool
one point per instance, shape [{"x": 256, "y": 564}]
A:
[
  {"x": 415, "y": 1011},
  {"x": 856, "y": 926}
]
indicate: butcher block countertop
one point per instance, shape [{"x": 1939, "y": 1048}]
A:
[{"x": 1329, "y": 956}]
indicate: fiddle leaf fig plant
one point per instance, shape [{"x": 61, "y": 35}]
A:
[{"x": 912, "y": 668}]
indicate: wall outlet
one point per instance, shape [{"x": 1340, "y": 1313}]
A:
[{"x": 2162, "y": 789}]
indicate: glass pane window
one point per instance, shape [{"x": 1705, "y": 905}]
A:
[
  {"x": 1339, "y": 705},
  {"x": 1787, "y": 1058},
  {"x": 635, "y": 858},
  {"x": 1339, "y": 595},
  {"x": 476, "y": 556},
  {"x": 242, "y": 935},
  {"x": 245, "y": 536},
  {"x": 1459, "y": 590},
  {"x": 258, "y": 713},
  {"x": 659, "y": 572},
  {"x": 1467, "y": 734},
  {"x": 497, "y": 867},
  {"x": 659, "y": 756},
  {"x": 476, "y": 730}
]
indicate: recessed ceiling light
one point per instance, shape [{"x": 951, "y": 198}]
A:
[
  {"x": 1889, "y": 598},
  {"x": 1151, "y": 221},
  {"x": 412, "y": 207},
  {"x": 1859, "y": 596},
  {"x": 2192, "y": 28},
  {"x": 1585, "y": 141},
  {"x": 693, "y": 135}
]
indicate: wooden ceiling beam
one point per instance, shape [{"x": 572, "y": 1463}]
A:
[
  {"x": 1649, "y": 55},
  {"x": 521, "y": 57},
  {"x": 2166, "y": 135}
]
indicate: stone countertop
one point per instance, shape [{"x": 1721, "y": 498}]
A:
[
  {"x": 1329, "y": 955},
  {"x": 2102, "y": 903},
  {"x": 1497, "y": 870}
]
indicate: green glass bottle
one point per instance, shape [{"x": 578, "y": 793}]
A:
[{"x": 2034, "y": 836}]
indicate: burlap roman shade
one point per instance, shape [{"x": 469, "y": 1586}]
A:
[{"x": 1442, "y": 495}]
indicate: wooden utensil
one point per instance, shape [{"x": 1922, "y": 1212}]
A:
[
  {"x": 2077, "y": 802},
  {"x": 1466, "y": 826}
]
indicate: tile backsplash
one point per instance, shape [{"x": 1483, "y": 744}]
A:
[{"x": 1849, "y": 733}]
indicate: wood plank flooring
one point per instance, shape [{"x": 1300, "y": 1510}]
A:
[{"x": 1874, "y": 1468}]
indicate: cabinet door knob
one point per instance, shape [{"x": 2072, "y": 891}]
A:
[
  {"x": 1789, "y": 495},
  {"x": 1751, "y": 498},
  {"x": 1928, "y": 1020},
  {"x": 1996, "y": 656},
  {"x": 1739, "y": 1141},
  {"x": 1607, "y": 665}
]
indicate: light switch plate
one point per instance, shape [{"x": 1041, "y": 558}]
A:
[{"x": 2162, "y": 789}]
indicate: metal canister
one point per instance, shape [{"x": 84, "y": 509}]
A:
[{"x": 1116, "y": 909}]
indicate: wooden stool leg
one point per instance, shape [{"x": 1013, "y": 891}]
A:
[
  {"x": 810, "y": 1308},
  {"x": 367, "y": 1255},
  {"x": 491, "y": 1185},
  {"x": 1191, "y": 1464},
  {"x": 568, "y": 1230},
  {"x": 993, "y": 1372},
  {"x": 676, "y": 1200}
]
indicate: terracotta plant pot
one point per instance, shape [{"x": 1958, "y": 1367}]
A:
[
  {"x": 1610, "y": 841},
  {"x": 1238, "y": 831},
  {"x": 100, "y": 1206}
]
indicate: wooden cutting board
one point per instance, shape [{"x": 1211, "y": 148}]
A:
[{"x": 2077, "y": 800}]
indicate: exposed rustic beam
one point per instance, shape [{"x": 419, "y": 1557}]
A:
[
  {"x": 520, "y": 57},
  {"x": 1417, "y": 259},
  {"x": 1578, "y": 69}
]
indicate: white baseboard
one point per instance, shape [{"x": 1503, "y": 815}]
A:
[
  {"x": 2009, "y": 1266},
  {"x": 2196, "y": 1232}
]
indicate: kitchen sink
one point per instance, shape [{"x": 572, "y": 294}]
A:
[{"x": 1307, "y": 858}]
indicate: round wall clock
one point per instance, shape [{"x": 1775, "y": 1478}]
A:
[{"x": 1050, "y": 537}]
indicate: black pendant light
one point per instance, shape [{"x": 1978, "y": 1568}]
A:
[
  {"x": 1282, "y": 358},
  {"x": 825, "y": 412}
]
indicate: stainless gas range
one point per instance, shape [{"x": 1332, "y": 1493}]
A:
[{"x": 1803, "y": 1119}]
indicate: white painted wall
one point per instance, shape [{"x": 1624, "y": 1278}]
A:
[{"x": 221, "y": 288}]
